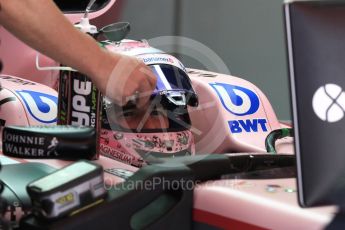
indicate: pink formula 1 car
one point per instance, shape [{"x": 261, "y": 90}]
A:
[{"x": 202, "y": 112}]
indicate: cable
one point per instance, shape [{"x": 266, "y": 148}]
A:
[
  {"x": 48, "y": 68},
  {"x": 276, "y": 135}
]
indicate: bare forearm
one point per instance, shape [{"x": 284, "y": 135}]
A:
[{"x": 40, "y": 24}]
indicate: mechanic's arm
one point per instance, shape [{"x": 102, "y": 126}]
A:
[{"x": 40, "y": 24}]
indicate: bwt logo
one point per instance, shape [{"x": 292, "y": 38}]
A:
[
  {"x": 248, "y": 125},
  {"x": 41, "y": 106},
  {"x": 237, "y": 100},
  {"x": 240, "y": 102},
  {"x": 329, "y": 103}
]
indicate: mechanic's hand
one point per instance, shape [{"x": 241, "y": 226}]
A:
[{"x": 129, "y": 80}]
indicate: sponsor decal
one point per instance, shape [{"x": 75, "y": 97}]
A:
[
  {"x": 202, "y": 74},
  {"x": 79, "y": 101},
  {"x": 41, "y": 106},
  {"x": 237, "y": 100},
  {"x": 248, "y": 126},
  {"x": 52, "y": 147},
  {"x": 116, "y": 154},
  {"x": 17, "y": 80},
  {"x": 162, "y": 59},
  {"x": 81, "y": 109},
  {"x": 149, "y": 60},
  {"x": 240, "y": 101},
  {"x": 28, "y": 146}
]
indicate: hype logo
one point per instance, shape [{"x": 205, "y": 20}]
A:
[
  {"x": 237, "y": 100},
  {"x": 329, "y": 103},
  {"x": 41, "y": 106}
]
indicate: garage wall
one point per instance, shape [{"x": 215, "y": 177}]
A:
[{"x": 247, "y": 34}]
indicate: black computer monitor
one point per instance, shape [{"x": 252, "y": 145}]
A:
[{"x": 315, "y": 32}]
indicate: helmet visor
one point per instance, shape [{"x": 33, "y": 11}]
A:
[{"x": 174, "y": 85}]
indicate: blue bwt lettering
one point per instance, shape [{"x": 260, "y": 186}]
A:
[{"x": 248, "y": 126}]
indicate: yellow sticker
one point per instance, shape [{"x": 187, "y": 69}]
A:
[{"x": 65, "y": 199}]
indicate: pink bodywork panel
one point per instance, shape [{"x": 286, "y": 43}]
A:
[
  {"x": 21, "y": 109},
  {"x": 211, "y": 118},
  {"x": 264, "y": 204}
]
